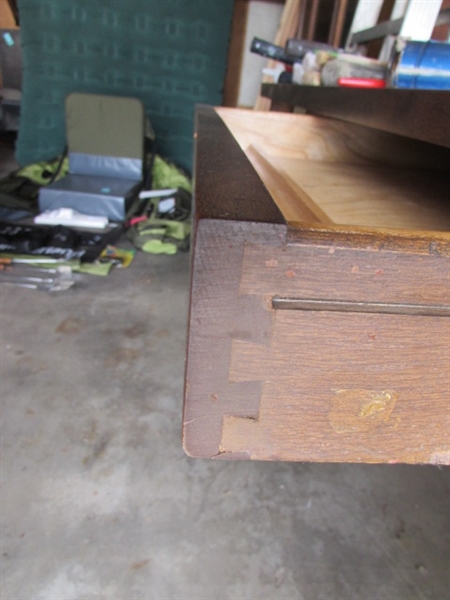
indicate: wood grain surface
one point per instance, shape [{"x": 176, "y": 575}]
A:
[
  {"x": 292, "y": 199},
  {"x": 288, "y": 135},
  {"x": 344, "y": 384},
  {"x": 368, "y": 195},
  {"x": 313, "y": 385},
  {"x": 321, "y": 138},
  {"x": 345, "y": 387},
  {"x": 348, "y": 274},
  {"x": 318, "y": 171}
]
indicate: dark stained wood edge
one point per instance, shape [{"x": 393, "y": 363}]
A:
[
  {"x": 226, "y": 187},
  {"x": 217, "y": 314},
  {"x": 419, "y": 114},
  {"x": 226, "y": 184}
]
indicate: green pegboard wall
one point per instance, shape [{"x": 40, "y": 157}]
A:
[{"x": 171, "y": 54}]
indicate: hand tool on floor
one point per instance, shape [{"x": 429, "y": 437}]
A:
[{"x": 60, "y": 280}]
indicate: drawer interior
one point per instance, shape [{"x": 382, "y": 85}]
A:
[{"x": 323, "y": 172}]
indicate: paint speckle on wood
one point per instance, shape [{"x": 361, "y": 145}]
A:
[{"x": 271, "y": 263}]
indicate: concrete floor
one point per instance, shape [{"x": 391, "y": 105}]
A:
[{"x": 99, "y": 502}]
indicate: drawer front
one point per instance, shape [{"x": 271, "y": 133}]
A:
[{"x": 332, "y": 378}]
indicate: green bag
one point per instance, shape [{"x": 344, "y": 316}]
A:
[
  {"x": 164, "y": 232},
  {"x": 19, "y": 190}
]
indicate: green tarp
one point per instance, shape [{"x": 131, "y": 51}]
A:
[{"x": 171, "y": 54}]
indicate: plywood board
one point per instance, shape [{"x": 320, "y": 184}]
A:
[
  {"x": 321, "y": 171},
  {"x": 290, "y": 135},
  {"x": 371, "y": 195}
]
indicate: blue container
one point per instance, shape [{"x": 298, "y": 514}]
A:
[{"x": 424, "y": 65}]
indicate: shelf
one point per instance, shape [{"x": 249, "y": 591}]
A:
[{"x": 419, "y": 114}]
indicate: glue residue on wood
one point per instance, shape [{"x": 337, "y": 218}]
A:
[{"x": 361, "y": 410}]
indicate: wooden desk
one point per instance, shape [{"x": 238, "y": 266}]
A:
[{"x": 318, "y": 326}]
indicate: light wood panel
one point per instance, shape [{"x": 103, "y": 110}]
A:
[
  {"x": 291, "y": 199},
  {"x": 7, "y": 20},
  {"x": 320, "y": 171},
  {"x": 322, "y": 138},
  {"x": 369, "y": 195},
  {"x": 290, "y": 135}
]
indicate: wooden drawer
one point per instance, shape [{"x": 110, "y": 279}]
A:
[{"x": 318, "y": 326}]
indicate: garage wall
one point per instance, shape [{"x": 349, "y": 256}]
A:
[{"x": 169, "y": 53}]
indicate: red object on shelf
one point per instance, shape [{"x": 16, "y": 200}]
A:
[{"x": 359, "y": 82}]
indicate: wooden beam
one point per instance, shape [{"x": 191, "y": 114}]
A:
[{"x": 235, "y": 53}]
